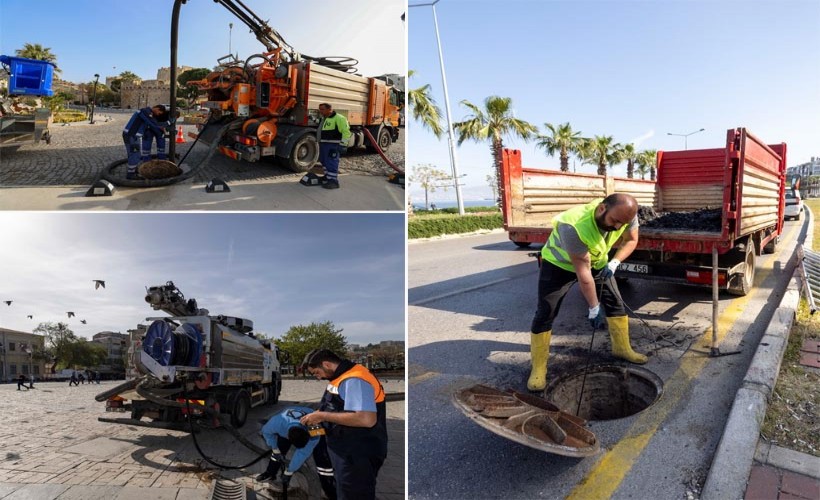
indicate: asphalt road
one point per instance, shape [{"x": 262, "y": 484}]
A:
[{"x": 471, "y": 300}]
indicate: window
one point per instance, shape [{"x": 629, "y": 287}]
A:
[
  {"x": 36, "y": 370},
  {"x": 11, "y": 346},
  {"x": 13, "y": 369},
  {"x": 25, "y": 369}
]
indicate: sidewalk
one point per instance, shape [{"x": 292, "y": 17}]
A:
[{"x": 783, "y": 474}]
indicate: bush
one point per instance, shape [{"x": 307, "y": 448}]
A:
[
  {"x": 454, "y": 210},
  {"x": 426, "y": 227},
  {"x": 69, "y": 117}
]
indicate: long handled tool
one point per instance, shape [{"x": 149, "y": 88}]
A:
[
  {"x": 714, "y": 351},
  {"x": 589, "y": 353}
]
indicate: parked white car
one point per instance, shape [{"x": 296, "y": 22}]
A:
[{"x": 794, "y": 205}]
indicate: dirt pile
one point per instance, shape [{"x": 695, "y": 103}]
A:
[{"x": 705, "y": 219}]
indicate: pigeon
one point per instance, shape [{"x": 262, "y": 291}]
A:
[
  {"x": 8, "y": 302},
  {"x": 70, "y": 314},
  {"x": 98, "y": 284},
  {"x": 83, "y": 321},
  {"x": 30, "y": 316}
]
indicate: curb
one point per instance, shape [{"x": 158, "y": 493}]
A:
[{"x": 735, "y": 453}]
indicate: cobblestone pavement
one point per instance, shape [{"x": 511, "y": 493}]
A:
[
  {"x": 52, "y": 446},
  {"x": 79, "y": 152}
]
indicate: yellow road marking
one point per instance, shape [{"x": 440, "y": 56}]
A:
[{"x": 606, "y": 476}]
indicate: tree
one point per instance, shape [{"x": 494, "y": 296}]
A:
[
  {"x": 390, "y": 356},
  {"x": 300, "y": 340},
  {"x": 598, "y": 151},
  {"x": 629, "y": 154},
  {"x": 647, "y": 160},
  {"x": 37, "y": 51},
  {"x": 493, "y": 123},
  {"x": 427, "y": 176},
  {"x": 59, "y": 342},
  {"x": 424, "y": 108},
  {"x": 54, "y": 102},
  {"x": 563, "y": 140},
  {"x": 190, "y": 92},
  {"x": 492, "y": 180},
  {"x": 125, "y": 76},
  {"x": 86, "y": 354}
]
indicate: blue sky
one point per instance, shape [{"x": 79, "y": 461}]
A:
[
  {"x": 94, "y": 36},
  {"x": 635, "y": 70},
  {"x": 278, "y": 270}
]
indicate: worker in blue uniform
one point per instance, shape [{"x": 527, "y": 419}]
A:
[
  {"x": 139, "y": 133},
  {"x": 333, "y": 139},
  {"x": 282, "y": 431}
]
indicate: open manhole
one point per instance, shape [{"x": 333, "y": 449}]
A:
[{"x": 610, "y": 391}]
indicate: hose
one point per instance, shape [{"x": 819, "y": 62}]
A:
[
  {"x": 108, "y": 171},
  {"x": 589, "y": 352},
  {"x": 381, "y": 153}
]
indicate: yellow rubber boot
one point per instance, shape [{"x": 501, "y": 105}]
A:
[
  {"x": 540, "y": 351},
  {"x": 619, "y": 333}
]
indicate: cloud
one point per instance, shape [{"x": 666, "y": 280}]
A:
[{"x": 641, "y": 138}]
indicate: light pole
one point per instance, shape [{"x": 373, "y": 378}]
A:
[
  {"x": 230, "y": 35},
  {"x": 686, "y": 137},
  {"x": 450, "y": 136},
  {"x": 94, "y": 98}
]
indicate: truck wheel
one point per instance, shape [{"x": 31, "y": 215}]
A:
[
  {"x": 241, "y": 407},
  {"x": 522, "y": 244},
  {"x": 797, "y": 217},
  {"x": 273, "y": 391},
  {"x": 744, "y": 285},
  {"x": 383, "y": 139},
  {"x": 304, "y": 154},
  {"x": 771, "y": 246}
]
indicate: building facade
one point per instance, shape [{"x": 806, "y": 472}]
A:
[
  {"x": 17, "y": 356},
  {"x": 116, "y": 346},
  {"x": 804, "y": 170}
]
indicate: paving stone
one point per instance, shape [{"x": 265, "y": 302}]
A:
[
  {"x": 800, "y": 485},
  {"x": 9, "y": 488},
  {"x": 193, "y": 494},
  {"x": 132, "y": 493},
  {"x": 37, "y": 492},
  {"x": 811, "y": 359},
  {"x": 89, "y": 493},
  {"x": 763, "y": 483},
  {"x": 810, "y": 345}
]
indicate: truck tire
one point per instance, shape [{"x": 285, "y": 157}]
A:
[
  {"x": 522, "y": 244},
  {"x": 744, "y": 285},
  {"x": 771, "y": 247},
  {"x": 241, "y": 408},
  {"x": 273, "y": 390},
  {"x": 383, "y": 139},
  {"x": 304, "y": 154}
]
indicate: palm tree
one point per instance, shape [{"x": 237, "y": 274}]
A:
[
  {"x": 641, "y": 170},
  {"x": 127, "y": 76},
  {"x": 629, "y": 154},
  {"x": 646, "y": 160},
  {"x": 425, "y": 109},
  {"x": 492, "y": 123},
  {"x": 37, "y": 51},
  {"x": 563, "y": 139},
  {"x": 600, "y": 150}
]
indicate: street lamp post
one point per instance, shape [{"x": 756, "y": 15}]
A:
[
  {"x": 450, "y": 135},
  {"x": 94, "y": 98},
  {"x": 686, "y": 137},
  {"x": 230, "y": 35}
]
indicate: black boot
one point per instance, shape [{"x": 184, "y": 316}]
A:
[{"x": 270, "y": 472}]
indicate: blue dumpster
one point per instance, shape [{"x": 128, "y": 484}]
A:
[{"x": 29, "y": 76}]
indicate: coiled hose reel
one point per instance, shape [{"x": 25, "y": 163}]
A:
[{"x": 181, "y": 346}]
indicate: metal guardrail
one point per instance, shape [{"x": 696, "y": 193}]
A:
[{"x": 809, "y": 262}]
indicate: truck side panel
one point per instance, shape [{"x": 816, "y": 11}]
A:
[
  {"x": 348, "y": 94},
  {"x": 760, "y": 181},
  {"x": 690, "y": 180}
]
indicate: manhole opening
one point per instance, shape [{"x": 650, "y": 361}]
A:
[{"x": 609, "y": 392}]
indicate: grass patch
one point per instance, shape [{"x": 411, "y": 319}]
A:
[
  {"x": 69, "y": 116},
  {"x": 814, "y": 205},
  {"x": 793, "y": 416},
  {"x": 454, "y": 210},
  {"x": 439, "y": 224}
]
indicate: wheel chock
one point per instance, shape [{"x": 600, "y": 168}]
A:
[
  {"x": 101, "y": 188},
  {"x": 217, "y": 185}
]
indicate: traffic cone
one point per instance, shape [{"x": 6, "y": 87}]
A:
[{"x": 180, "y": 137}]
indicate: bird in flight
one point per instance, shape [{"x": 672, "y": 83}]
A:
[
  {"x": 70, "y": 314},
  {"x": 98, "y": 284},
  {"x": 30, "y": 316},
  {"x": 83, "y": 321},
  {"x": 8, "y": 302}
]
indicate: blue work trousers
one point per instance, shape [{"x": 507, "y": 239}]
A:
[
  {"x": 148, "y": 141},
  {"x": 329, "y": 153},
  {"x": 355, "y": 475}
]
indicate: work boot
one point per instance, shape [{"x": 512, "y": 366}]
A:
[
  {"x": 540, "y": 352},
  {"x": 619, "y": 333},
  {"x": 265, "y": 476},
  {"x": 134, "y": 176},
  {"x": 330, "y": 183}
]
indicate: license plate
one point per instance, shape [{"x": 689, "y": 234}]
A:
[{"x": 634, "y": 268}]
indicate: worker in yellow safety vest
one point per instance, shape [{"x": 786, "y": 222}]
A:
[{"x": 578, "y": 251}]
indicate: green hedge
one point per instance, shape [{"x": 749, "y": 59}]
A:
[
  {"x": 69, "y": 116},
  {"x": 427, "y": 227},
  {"x": 454, "y": 210}
]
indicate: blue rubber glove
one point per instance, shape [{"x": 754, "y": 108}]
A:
[
  {"x": 609, "y": 270},
  {"x": 596, "y": 317}
]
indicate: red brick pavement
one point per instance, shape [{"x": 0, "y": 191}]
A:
[{"x": 770, "y": 483}]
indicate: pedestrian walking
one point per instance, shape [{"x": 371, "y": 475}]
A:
[
  {"x": 21, "y": 381},
  {"x": 73, "y": 380}
]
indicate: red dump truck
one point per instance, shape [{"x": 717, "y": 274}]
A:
[{"x": 745, "y": 179}]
